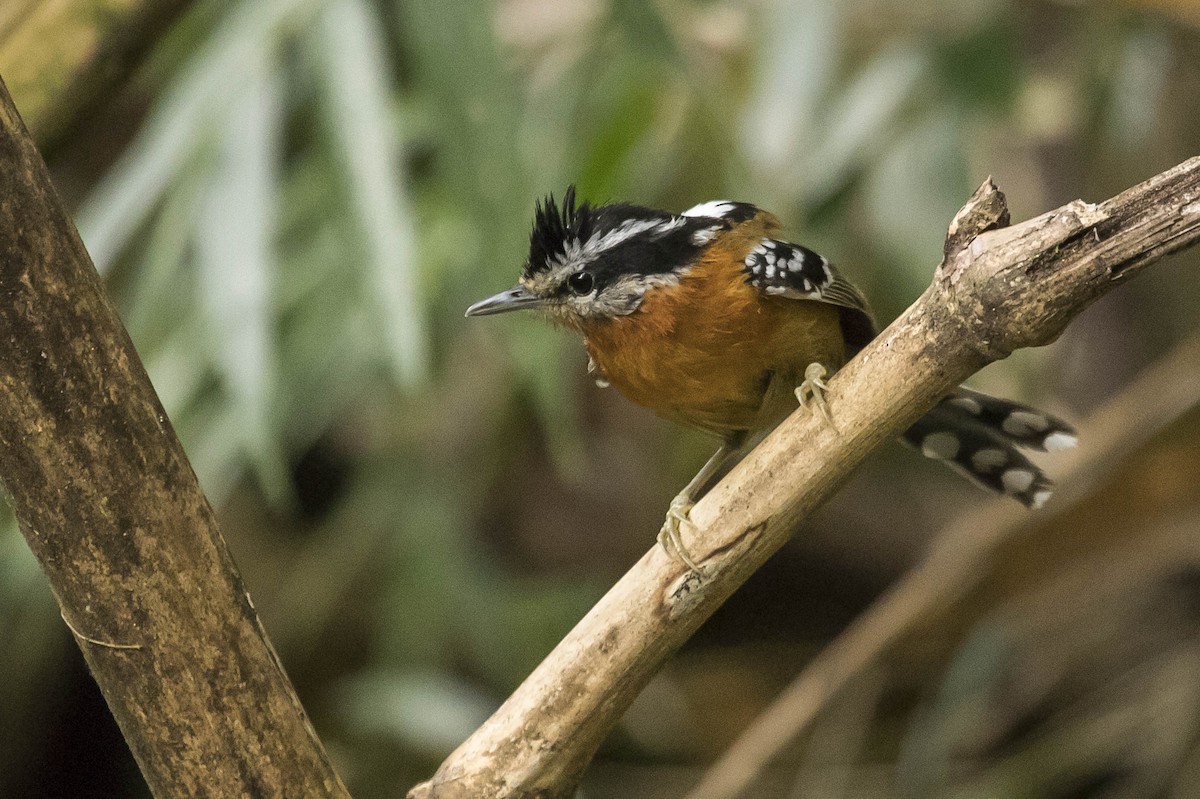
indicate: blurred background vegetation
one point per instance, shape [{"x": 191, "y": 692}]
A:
[{"x": 294, "y": 200}]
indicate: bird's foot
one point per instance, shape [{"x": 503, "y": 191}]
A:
[
  {"x": 813, "y": 389},
  {"x": 669, "y": 538}
]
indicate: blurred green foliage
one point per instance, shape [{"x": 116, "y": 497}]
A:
[{"x": 423, "y": 505}]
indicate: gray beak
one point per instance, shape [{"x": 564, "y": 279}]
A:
[{"x": 514, "y": 299}]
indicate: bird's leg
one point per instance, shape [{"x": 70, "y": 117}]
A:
[
  {"x": 668, "y": 537},
  {"x": 814, "y": 388}
]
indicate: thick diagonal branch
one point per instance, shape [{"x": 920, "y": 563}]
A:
[
  {"x": 997, "y": 289},
  {"x": 112, "y": 510}
]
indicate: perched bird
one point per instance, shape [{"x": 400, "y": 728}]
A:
[{"x": 709, "y": 319}]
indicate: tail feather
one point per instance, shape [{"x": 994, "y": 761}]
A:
[
  {"x": 978, "y": 435},
  {"x": 1020, "y": 424}
]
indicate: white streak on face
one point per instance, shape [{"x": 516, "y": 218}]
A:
[
  {"x": 712, "y": 208},
  {"x": 625, "y": 296},
  {"x": 619, "y": 298},
  {"x": 577, "y": 255}
]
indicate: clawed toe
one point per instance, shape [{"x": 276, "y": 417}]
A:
[
  {"x": 669, "y": 537},
  {"x": 813, "y": 389}
]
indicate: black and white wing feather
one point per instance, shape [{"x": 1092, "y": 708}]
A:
[{"x": 780, "y": 269}]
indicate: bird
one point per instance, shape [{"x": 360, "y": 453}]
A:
[{"x": 711, "y": 320}]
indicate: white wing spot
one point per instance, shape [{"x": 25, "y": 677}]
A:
[
  {"x": 940, "y": 446},
  {"x": 1022, "y": 423},
  {"x": 1060, "y": 440},
  {"x": 1040, "y": 497},
  {"x": 968, "y": 404},
  {"x": 1016, "y": 480},
  {"x": 986, "y": 460}
]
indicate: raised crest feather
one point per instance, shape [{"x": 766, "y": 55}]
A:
[{"x": 555, "y": 226}]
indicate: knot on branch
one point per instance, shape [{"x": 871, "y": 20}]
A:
[
  {"x": 1004, "y": 285},
  {"x": 986, "y": 210}
]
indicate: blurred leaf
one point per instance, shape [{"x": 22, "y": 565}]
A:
[
  {"x": 917, "y": 186},
  {"x": 161, "y": 290},
  {"x": 428, "y": 712},
  {"x": 187, "y": 115},
  {"x": 795, "y": 59},
  {"x": 982, "y": 68},
  {"x": 473, "y": 95},
  {"x": 18, "y": 567},
  {"x": 235, "y": 231},
  {"x": 860, "y": 121},
  {"x": 214, "y": 455},
  {"x": 516, "y": 622},
  {"x": 1139, "y": 85},
  {"x": 178, "y": 376},
  {"x": 347, "y": 43}
]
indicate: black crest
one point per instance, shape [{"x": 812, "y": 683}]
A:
[
  {"x": 660, "y": 248},
  {"x": 554, "y": 226}
]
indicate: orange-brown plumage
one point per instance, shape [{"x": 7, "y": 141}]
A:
[{"x": 705, "y": 350}]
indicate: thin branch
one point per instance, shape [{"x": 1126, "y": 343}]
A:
[
  {"x": 111, "y": 508},
  {"x": 997, "y": 289},
  {"x": 957, "y": 561}
]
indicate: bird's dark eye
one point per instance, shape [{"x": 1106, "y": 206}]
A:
[{"x": 581, "y": 283}]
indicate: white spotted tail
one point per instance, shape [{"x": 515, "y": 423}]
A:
[{"x": 978, "y": 436}]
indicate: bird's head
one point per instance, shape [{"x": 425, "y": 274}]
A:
[{"x": 592, "y": 263}]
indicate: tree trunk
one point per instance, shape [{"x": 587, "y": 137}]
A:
[{"x": 111, "y": 508}]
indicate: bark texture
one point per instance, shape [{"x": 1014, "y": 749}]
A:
[
  {"x": 997, "y": 289},
  {"x": 112, "y": 509}
]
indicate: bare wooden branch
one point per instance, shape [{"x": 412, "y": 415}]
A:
[
  {"x": 112, "y": 510},
  {"x": 998, "y": 288}
]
